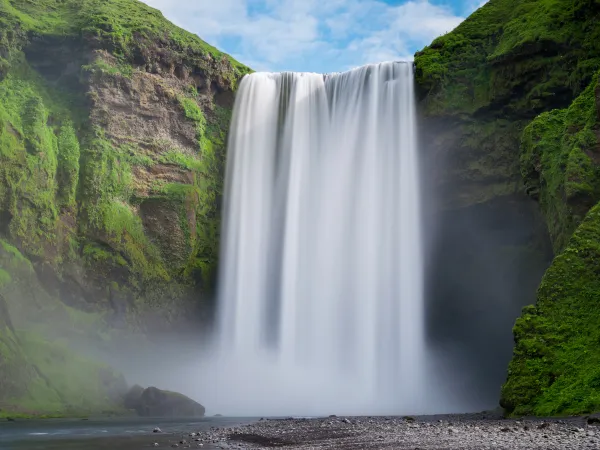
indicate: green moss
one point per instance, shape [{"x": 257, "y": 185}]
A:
[
  {"x": 68, "y": 165},
  {"x": 107, "y": 190},
  {"x": 556, "y": 364},
  {"x": 209, "y": 174},
  {"x": 181, "y": 159},
  {"x": 5, "y": 278},
  {"x": 193, "y": 112},
  {"x": 12, "y": 258},
  {"x": 101, "y": 67},
  {"x": 505, "y": 64},
  {"x": 126, "y": 28},
  {"x": 557, "y": 167},
  {"x": 518, "y": 56},
  {"x": 70, "y": 384},
  {"x": 38, "y": 158}
]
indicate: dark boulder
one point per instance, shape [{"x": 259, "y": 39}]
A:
[{"x": 153, "y": 402}]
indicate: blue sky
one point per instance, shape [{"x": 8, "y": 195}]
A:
[{"x": 317, "y": 35}]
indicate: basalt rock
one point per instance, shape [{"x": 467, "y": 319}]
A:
[{"x": 153, "y": 402}]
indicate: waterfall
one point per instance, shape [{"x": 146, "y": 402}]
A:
[{"x": 321, "y": 287}]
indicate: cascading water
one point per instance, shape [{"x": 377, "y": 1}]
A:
[{"x": 321, "y": 284}]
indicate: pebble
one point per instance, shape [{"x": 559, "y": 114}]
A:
[{"x": 462, "y": 432}]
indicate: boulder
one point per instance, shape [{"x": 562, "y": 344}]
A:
[{"x": 154, "y": 402}]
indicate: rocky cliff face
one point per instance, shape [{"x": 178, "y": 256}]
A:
[
  {"x": 113, "y": 125},
  {"x": 513, "y": 96}
]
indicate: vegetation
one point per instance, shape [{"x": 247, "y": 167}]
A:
[
  {"x": 482, "y": 83},
  {"x": 557, "y": 164},
  {"x": 556, "y": 364},
  {"x": 513, "y": 57}
]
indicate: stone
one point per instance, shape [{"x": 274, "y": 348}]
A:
[{"x": 154, "y": 402}]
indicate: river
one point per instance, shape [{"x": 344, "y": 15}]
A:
[{"x": 106, "y": 433}]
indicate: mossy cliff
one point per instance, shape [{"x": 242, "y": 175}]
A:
[
  {"x": 513, "y": 92},
  {"x": 112, "y": 137},
  {"x": 555, "y": 368},
  {"x": 485, "y": 81}
]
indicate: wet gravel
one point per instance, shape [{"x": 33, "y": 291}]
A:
[{"x": 460, "y": 432}]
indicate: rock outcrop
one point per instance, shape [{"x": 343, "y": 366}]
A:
[{"x": 154, "y": 402}]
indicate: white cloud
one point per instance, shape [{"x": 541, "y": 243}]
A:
[{"x": 313, "y": 35}]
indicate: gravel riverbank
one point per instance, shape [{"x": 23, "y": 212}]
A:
[{"x": 460, "y": 432}]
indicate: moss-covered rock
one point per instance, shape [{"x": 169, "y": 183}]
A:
[
  {"x": 556, "y": 363},
  {"x": 554, "y": 368},
  {"x": 560, "y": 153}
]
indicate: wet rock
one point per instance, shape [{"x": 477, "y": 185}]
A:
[{"x": 158, "y": 403}]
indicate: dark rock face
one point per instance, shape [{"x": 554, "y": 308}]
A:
[
  {"x": 483, "y": 267},
  {"x": 153, "y": 402}
]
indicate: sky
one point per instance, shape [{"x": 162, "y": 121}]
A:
[{"x": 317, "y": 35}]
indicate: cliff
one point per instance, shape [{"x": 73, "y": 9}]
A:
[
  {"x": 113, "y": 126},
  {"x": 514, "y": 97}
]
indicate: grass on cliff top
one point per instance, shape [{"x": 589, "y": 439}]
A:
[
  {"x": 123, "y": 24},
  {"x": 556, "y": 364},
  {"x": 489, "y": 59}
]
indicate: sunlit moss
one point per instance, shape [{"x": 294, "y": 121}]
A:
[{"x": 556, "y": 364}]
